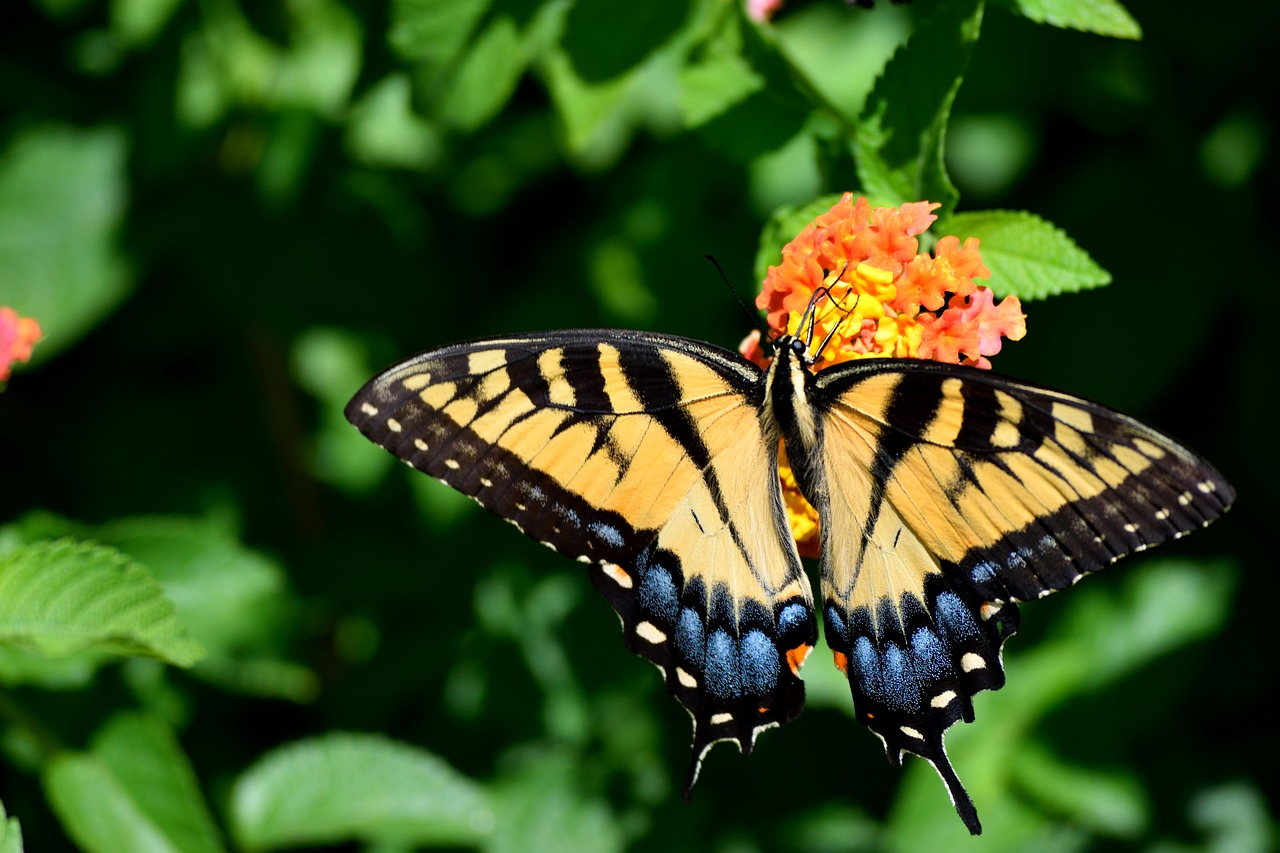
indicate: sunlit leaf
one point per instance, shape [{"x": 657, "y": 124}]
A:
[
  {"x": 1028, "y": 257},
  {"x": 1235, "y": 818},
  {"x": 10, "y": 833},
  {"x": 343, "y": 787},
  {"x": 63, "y": 597},
  {"x": 902, "y": 130},
  {"x": 62, "y": 200},
  {"x": 383, "y": 130},
  {"x": 133, "y": 790},
  {"x": 1103, "y": 17},
  {"x": 541, "y": 804},
  {"x": 1110, "y": 802},
  {"x": 230, "y": 598},
  {"x": 716, "y": 80},
  {"x": 432, "y": 33},
  {"x": 486, "y": 77}
]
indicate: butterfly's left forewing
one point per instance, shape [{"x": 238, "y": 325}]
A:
[
  {"x": 646, "y": 457},
  {"x": 951, "y": 493}
]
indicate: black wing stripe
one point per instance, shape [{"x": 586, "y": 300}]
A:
[{"x": 634, "y": 453}]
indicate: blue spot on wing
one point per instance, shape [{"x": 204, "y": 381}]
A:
[
  {"x": 929, "y": 656},
  {"x": 867, "y": 669},
  {"x": 901, "y": 690},
  {"x": 722, "y": 665},
  {"x": 607, "y": 533},
  {"x": 658, "y": 594},
  {"x": 691, "y": 637},
  {"x": 984, "y": 572},
  {"x": 760, "y": 664},
  {"x": 792, "y": 616},
  {"x": 954, "y": 619}
]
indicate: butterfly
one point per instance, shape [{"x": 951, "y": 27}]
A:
[{"x": 947, "y": 494}]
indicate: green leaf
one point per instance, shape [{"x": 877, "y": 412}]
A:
[
  {"x": 10, "y": 833},
  {"x": 719, "y": 78},
  {"x": 487, "y": 76},
  {"x": 343, "y": 787},
  {"x": 63, "y": 597},
  {"x": 1104, "y": 17},
  {"x": 62, "y": 201},
  {"x": 432, "y": 33},
  {"x": 781, "y": 228},
  {"x": 1109, "y": 802},
  {"x": 1235, "y": 817},
  {"x": 605, "y": 39},
  {"x": 742, "y": 95},
  {"x": 599, "y": 119},
  {"x": 902, "y": 131},
  {"x": 383, "y": 130},
  {"x": 233, "y": 600},
  {"x": 541, "y": 804},
  {"x": 137, "y": 22},
  {"x": 1028, "y": 256},
  {"x": 133, "y": 790},
  {"x": 226, "y": 594}
]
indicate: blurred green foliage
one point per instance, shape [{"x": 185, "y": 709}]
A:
[{"x": 227, "y": 622}]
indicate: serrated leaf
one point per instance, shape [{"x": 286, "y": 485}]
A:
[
  {"x": 902, "y": 130},
  {"x": 133, "y": 790},
  {"x": 230, "y": 598},
  {"x": 781, "y": 228},
  {"x": 342, "y": 787},
  {"x": 64, "y": 597},
  {"x": 225, "y": 593},
  {"x": 1029, "y": 257},
  {"x": 10, "y": 833},
  {"x": 1103, "y": 17},
  {"x": 62, "y": 201}
]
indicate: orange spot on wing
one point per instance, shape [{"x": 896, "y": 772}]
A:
[
  {"x": 797, "y": 656},
  {"x": 842, "y": 663}
]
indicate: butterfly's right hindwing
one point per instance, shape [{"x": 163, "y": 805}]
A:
[
  {"x": 646, "y": 457},
  {"x": 950, "y": 494}
]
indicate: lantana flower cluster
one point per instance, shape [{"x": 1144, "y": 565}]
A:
[
  {"x": 18, "y": 335},
  {"x": 885, "y": 299}
]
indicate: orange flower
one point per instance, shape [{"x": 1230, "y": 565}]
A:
[
  {"x": 17, "y": 337},
  {"x": 887, "y": 299}
]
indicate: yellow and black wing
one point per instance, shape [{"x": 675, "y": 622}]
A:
[
  {"x": 949, "y": 493},
  {"x": 650, "y": 459}
]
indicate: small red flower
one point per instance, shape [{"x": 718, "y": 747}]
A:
[{"x": 18, "y": 335}]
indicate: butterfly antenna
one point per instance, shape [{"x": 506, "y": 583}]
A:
[
  {"x": 755, "y": 317},
  {"x": 831, "y": 334}
]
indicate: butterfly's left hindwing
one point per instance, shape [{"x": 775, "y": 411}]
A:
[
  {"x": 949, "y": 493},
  {"x": 648, "y": 458}
]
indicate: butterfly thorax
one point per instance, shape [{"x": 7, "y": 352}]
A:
[{"x": 791, "y": 401}]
